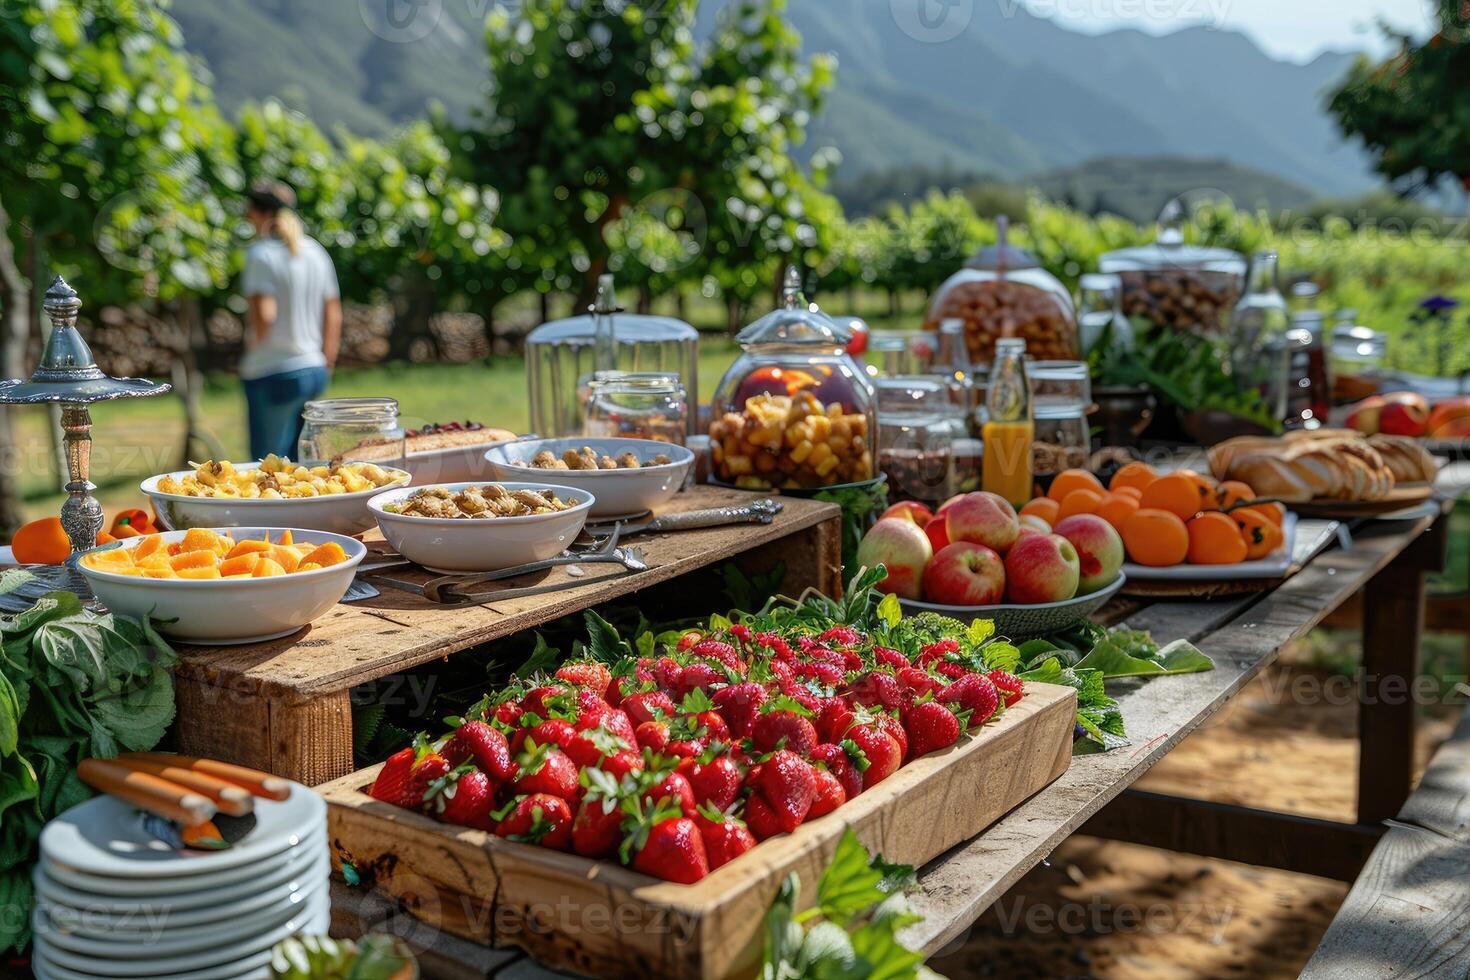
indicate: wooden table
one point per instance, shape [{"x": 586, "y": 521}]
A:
[
  {"x": 1387, "y": 563},
  {"x": 284, "y": 706}
]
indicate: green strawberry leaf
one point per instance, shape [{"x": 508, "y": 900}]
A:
[{"x": 850, "y": 884}]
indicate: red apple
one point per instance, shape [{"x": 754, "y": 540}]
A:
[
  {"x": 938, "y": 531},
  {"x": 910, "y": 510},
  {"x": 965, "y": 574},
  {"x": 903, "y": 548},
  {"x": 1450, "y": 419},
  {"x": 1099, "y": 550},
  {"x": 984, "y": 518},
  {"x": 1404, "y": 418},
  {"x": 1042, "y": 568},
  {"x": 1364, "y": 415},
  {"x": 951, "y": 502},
  {"x": 1035, "y": 523}
]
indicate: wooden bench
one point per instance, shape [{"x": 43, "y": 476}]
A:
[{"x": 1408, "y": 913}]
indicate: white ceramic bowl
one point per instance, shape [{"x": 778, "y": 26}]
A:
[
  {"x": 465, "y": 545},
  {"x": 619, "y": 493},
  {"x": 217, "y": 612},
  {"x": 339, "y": 513},
  {"x": 458, "y": 464}
]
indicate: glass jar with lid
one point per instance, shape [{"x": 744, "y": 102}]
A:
[
  {"x": 1062, "y": 440},
  {"x": 794, "y": 410},
  {"x": 347, "y": 430},
  {"x": 1176, "y": 285},
  {"x": 1060, "y": 384},
  {"x": 563, "y": 355},
  {"x": 637, "y": 405},
  {"x": 923, "y": 440},
  {"x": 1004, "y": 292}
]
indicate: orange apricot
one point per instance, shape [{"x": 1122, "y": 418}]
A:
[
  {"x": 1215, "y": 540},
  {"x": 195, "y": 559},
  {"x": 202, "y": 539},
  {"x": 1260, "y": 535},
  {"x": 1079, "y": 502},
  {"x": 240, "y": 564},
  {"x": 1181, "y": 494},
  {"x": 1116, "y": 508},
  {"x": 330, "y": 553},
  {"x": 1133, "y": 492},
  {"x": 268, "y": 568},
  {"x": 1044, "y": 508},
  {"x": 1269, "y": 509},
  {"x": 1157, "y": 538},
  {"x": 1137, "y": 475},
  {"x": 150, "y": 544},
  {"x": 287, "y": 558},
  {"x": 1069, "y": 480},
  {"x": 248, "y": 548},
  {"x": 1231, "y": 493}
]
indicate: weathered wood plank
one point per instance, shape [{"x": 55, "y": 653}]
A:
[
  {"x": 1441, "y": 803},
  {"x": 956, "y": 888}
]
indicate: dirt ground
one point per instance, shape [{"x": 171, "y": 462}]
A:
[{"x": 1108, "y": 910}]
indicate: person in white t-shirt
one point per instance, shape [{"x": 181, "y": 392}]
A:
[{"x": 293, "y": 326}]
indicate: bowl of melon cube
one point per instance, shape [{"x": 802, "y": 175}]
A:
[{"x": 244, "y": 585}]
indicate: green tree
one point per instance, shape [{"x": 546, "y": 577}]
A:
[
  {"x": 114, "y": 158},
  {"x": 1410, "y": 110}
]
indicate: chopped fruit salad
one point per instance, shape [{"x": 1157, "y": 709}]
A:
[
  {"x": 206, "y": 554},
  {"x": 280, "y": 479},
  {"x": 679, "y": 760}
]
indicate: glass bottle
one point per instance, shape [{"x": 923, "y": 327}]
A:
[
  {"x": 952, "y": 364},
  {"x": 605, "y": 341},
  {"x": 1260, "y": 349},
  {"x": 1310, "y": 398},
  {"x": 1009, "y": 430},
  {"x": 637, "y": 405},
  {"x": 349, "y": 430}
]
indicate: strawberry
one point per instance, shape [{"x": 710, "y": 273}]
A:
[
  {"x": 973, "y": 693},
  {"x": 546, "y": 769},
  {"x": 723, "y": 652},
  {"x": 687, "y": 641},
  {"x": 738, "y": 704},
  {"x": 699, "y": 677},
  {"x": 885, "y": 657},
  {"x": 881, "y": 751},
  {"x": 778, "y": 646},
  {"x": 552, "y": 731},
  {"x": 668, "y": 673},
  {"x": 486, "y": 746},
  {"x": 641, "y": 707},
  {"x": 761, "y": 818},
  {"x": 621, "y": 763},
  {"x": 952, "y": 669},
  {"x": 670, "y": 847},
  {"x": 588, "y": 748},
  {"x": 508, "y": 715},
  {"x": 714, "y": 726},
  {"x": 846, "y": 762},
  {"x": 785, "y": 678},
  {"x": 672, "y": 789},
  {"x": 465, "y": 798},
  {"x": 598, "y": 828},
  {"x": 591, "y": 709},
  {"x": 619, "y": 688},
  {"x": 618, "y": 723},
  {"x": 652, "y": 735},
  {"x": 714, "y": 776},
  {"x": 935, "y": 652},
  {"x": 876, "y": 689},
  {"x": 822, "y": 673},
  {"x": 536, "y": 819},
  {"x": 784, "y": 719},
  {"x": 725, "y": 836},
  {"x": 405, "y": 777},
  {"x": 788, "y": 784},
  {"x": 1010, "y": 686},
  {"x": 916, "y": 682},
  {"x": 932, "y": 726},
  {"x": 833, "y": 719},
  {"x": 541, "y": 700},
  {"x": 829, "y": 796},
  {"x": 591, "y": 674},
  {"x": 741, "y": 632},
  {"x": 891, "y": 725},
  {"x": 842, "y": 636}
]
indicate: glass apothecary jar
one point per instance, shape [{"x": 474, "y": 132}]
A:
[
  {"x": 1004, "y": 292},
  {"x": 1172, "y": 284},
  {"x": 922, "y": 440},
  {"x": 637, "y": 405},
  {"x": 1062, "y": 440},
  {"x": 1060, "y": 384},
  {"x": 346, "y": 430},
  {"x": 794, "y": 410},
  {"x": 562, "y": 356}
]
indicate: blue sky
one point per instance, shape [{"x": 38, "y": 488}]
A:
[{"x": 1294, "y": 29}]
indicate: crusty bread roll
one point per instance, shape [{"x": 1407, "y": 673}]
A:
[
  {"x": 1270, "y": 476},
  {"x": 1407, "y": 458}
]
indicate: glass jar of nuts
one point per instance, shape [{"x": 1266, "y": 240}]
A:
[
  {"x": 794, "y": 410},
  {"x": 1004, "y": 292}
]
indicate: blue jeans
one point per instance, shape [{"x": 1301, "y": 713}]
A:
[{"x": 274, "y": 403}]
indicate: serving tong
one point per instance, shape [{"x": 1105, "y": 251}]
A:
[{"x": 597, "y": 545}]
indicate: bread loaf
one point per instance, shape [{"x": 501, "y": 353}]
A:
[
  {"x": 1407, "y": 458},
  {"x": 1327, "y": 464}
]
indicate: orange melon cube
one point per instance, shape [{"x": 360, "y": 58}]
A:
[
  {"x": 249, "y": 548},
  {"x": 164, "y": 571},
  {"x": 240, "y": 564},
  {"x": 203, "y": 539},
  {"x": 111, "y": 560},
  {"x": 160, "y": 560},
  {"x": 268, "y": 567},
  {"x": 195, "y": 559},
  {"x": 287, "y": 558},
  {"x": 330, "y": 553},
  {"x": 149, "y": 545},
  {"x": 211, "y": 572}
]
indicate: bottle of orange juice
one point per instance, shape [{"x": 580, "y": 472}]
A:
[{"x": 1009, "y": 430}]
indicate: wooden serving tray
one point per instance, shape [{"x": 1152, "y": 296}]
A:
[
  {"x": 1399, "y": 498},
  {"x": 601, "y": 919}
]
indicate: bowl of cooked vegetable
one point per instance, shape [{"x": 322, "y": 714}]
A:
[{"x": 463, "y": 528}]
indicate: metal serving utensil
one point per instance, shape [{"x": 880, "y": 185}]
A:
[{"x": 760, "y": 511}]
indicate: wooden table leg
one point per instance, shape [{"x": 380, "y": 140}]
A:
[
  {"x": 1393, "y": 625},
  {"x": 309, "y": 741}
]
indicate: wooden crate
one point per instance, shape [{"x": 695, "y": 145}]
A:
[
  {"x": 600, "y": 919},
  {"x": 285, "y": 705}
]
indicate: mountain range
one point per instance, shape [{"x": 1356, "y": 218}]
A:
[{"x": 1010, "y": 95}]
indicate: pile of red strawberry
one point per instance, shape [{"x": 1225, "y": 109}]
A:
[{"x": 680, "y": 763}]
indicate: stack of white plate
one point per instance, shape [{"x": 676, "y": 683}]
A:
[{"x": 114, "y": 901}]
